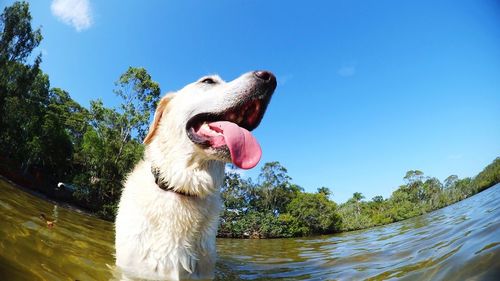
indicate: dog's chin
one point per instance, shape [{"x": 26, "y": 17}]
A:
[{"x": 219, "y": 153}]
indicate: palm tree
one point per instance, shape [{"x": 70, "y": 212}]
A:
[
  {"x": 325, "y": 190},
  {"x": 357, "y": 196}
]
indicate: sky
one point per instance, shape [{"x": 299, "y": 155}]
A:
[{"x": 367, "y": 90}]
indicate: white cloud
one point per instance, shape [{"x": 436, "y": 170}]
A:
[
  {"x": 76, "y": 13},
  {"x": 347, "y": 70}
]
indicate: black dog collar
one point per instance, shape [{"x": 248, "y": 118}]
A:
[{"x": 165, "y": 185}]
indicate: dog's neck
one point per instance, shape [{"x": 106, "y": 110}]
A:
[
  {"x": 165, "y": 185},
  {"x": 184, "y": 173}
]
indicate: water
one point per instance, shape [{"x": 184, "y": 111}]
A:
[{"x": 459, "y": 242}]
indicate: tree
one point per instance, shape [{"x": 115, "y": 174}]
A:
[
  {"x": 74, "y": 116},
  {"x": 236, "y": 192},
  {"x": 111, "y": 145},
  {"x": 357, "y": 196},
  {"x": 23, "y": 88},
  {"x": 56, "y": 148},
  {"x": 356, "y": 199},
  {"x": 430, "y": 188},
  {"x": 105, "y": 158},
  {"x": 17, "y": 37},
  {"x": 413, "y": 176},
  {"x": 275, "y": 190},
  {"x": 315, "y": 213},
  {"x": 17, "y": 41},
  {"x": 140, "y": 96},
  {"x": 325, "y": 190},
  {"x": 489, "y": 176},
  {"x": 20, "y": 137},
  {"x": 450, "y": 181}
]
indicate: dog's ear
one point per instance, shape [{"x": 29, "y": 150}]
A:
[{"x": 160, "y": 109}]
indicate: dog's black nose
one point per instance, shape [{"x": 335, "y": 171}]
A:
[{"x": 265, "y": 75}]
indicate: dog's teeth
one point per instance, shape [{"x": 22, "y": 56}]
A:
[
  {"x": 205, "y": 129},
  {"x": 205, "y": 126}
]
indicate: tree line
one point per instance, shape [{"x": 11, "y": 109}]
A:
[
  {"x": 275, "y": 207},
  {"x": 46, "y": 137}
]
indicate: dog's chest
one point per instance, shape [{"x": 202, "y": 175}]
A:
[
  {"x": 162, "y": 232},
  {"x": 180, "y": 216}
]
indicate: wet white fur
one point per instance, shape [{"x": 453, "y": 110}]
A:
[{"x": 162, "y": 234}]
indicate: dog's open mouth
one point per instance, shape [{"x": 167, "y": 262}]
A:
[{"x": 230, "y": 130}]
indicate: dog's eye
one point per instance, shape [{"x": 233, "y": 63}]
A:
[{"x": 208, "y": 81}]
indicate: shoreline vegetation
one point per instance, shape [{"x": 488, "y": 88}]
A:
[
  {"x": 46, "y": 137},
  {"x": 42, "y": 196},
  {"x": 275, "y": 207}
]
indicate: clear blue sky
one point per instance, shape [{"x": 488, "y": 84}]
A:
[{"x": 367, "y": 89}]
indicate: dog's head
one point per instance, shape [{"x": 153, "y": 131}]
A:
[{"x": 211, "y": 119}]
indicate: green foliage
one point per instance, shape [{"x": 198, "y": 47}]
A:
[
  {"x": 140, "y": 95},
  {"x": 23, "y": 90},
  {"x": 22, "y": 87},
  {"x": 419, "y": 195},
  {"x": 17, "y": 38},
  {"x": 275, "y": 190},
  {"x": 357, "y": 196},
  {"x": 325, "y": 190},
  {"x": 413, "y": 176},
  {"x": 45, "y": 132},
  {"x": 274, "y": 207},
  {"x": 237, "y": 193},
  {"x": 112, "y": 141},
  {"x": 315, "y": 212},
  {"x": 488, "y": 177}
]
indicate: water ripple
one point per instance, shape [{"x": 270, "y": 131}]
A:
[
  {"x": 459, "y": 242},
  {"x": 460, "y": 238}
]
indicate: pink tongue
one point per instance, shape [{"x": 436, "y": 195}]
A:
[{"x": 244, "y": 148}]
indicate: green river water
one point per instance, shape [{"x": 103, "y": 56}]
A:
[{"x": 459, "y": 242}]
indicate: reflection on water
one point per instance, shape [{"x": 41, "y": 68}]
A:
[
  {"x": 455, "y": 243},
  {"x": 458, "y": 242},
  {"x": 77, "y": 247}
]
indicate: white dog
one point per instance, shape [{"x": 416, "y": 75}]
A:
[{"x": 169, "y": 210}]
